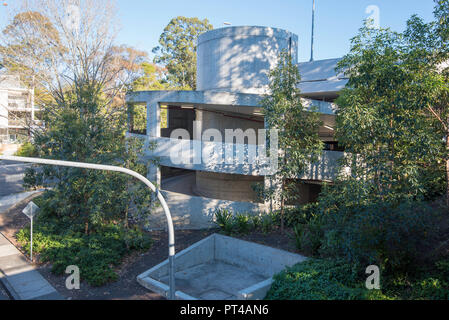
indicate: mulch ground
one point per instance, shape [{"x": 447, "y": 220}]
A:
[{"x": 126, "y": 287}]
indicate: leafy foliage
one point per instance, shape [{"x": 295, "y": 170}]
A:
[
  {"x": 92, "y": 198},
  {"x": 381, "y": 119},
  {"x": 337, "y": 280},
  {"x": 244, "y": 223},
  {"x": 26, "y": 150},
  {"x": 177, "y": 50},
  {"x": 62, "y": 243},
  {"x": 392, "y": 121},
  {"x": 297, "y": 127},
  {"x": 319, "y": 280}
]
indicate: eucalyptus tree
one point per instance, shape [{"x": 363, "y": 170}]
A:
[
  {"x": 177, "y": 50},
  {"x": 383, "y": 115},
  {"x": 66, "y": 49},
  {"x": 297, "y": 126}
]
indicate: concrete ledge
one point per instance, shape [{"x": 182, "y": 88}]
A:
[
  {"x": 257, "y": 291},
  {"x": 221, "y": 268}
]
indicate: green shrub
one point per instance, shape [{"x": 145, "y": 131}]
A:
[
  {"x": 26, "y": 150},
  {"x": 309, "y": 237},
  {"x": 256, "y": 222},
  {"x": 225, "y": 221},
  {"x": 266, "y": 224},
  {"x": 242, "y": 223},
  {"x": 320, "y": 280},
  {"x": 390, "y": 236},
  {"x": 331, "y": 279},
  {"x": 301, "y": 214}
]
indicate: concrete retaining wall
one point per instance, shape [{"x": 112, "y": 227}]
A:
[{"x": 196, "y": 213}]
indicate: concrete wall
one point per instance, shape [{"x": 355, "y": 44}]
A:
[
  {"x": 258, "y": 258},
  {"x": 239, "y": 58},
  {"x": 221, "y": 122},
  {"x": 226, "y": 186},
  {"x": 197, "y": 212}
]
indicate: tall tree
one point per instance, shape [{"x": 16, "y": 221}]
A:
[
  {"x": 68, "y": 50},
  {"x": 382, "y": 117},
  {"x": 297, "y": 126},
  {"x": 177, "y": 50},
  {"x": 427, "y": 57},
  {"x": 59, "y": 46},
  {"x": 152, "y": 77}
]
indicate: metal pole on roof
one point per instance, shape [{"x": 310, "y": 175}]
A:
[
  {"x": 313, "y": 30},
  {"x": 171, "y": 232}
]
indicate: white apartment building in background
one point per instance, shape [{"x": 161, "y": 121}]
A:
[{"x": 18, "y": 113}]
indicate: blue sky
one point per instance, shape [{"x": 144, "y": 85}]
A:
[{"x": 337, "y": 21}]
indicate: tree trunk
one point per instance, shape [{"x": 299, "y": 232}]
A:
[
  {"x": 447, "y": 169},
  {"x": 282, "y": 205}
]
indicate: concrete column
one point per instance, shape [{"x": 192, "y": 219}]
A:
[
  {"x": 154, "y": 131},
  {"x": 130, "y": 112},
  {"x": 153, "y": 119},
  {"x": 32, "y": 104}
]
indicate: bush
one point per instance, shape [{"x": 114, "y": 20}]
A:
[
  {"x": 393, "y": 237},
  {"x": 301, "y": 215},
  {"x": 26, "y": 150},
  {"x": 225, "y": 221},
  {"x": 320, "y": 280},
  {"x": 333, "y": 279},
  {"x": 244, "y": 223}
]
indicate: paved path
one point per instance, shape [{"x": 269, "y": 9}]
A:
[
  {"x": 9, "y": 201},
  {"x": 20, "y": 278},
  {"x": 11, "y": 177},
  {"x": 17, "y": 274}
]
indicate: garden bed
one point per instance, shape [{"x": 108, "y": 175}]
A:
[{"x": 126, "y": 286}]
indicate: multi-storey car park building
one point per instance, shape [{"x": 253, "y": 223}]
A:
[
  {"x": 232, "y": 77},
  {"x": 17, "y": 109}
]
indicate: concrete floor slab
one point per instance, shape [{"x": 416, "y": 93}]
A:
[
  {"x": 221, "y": 268},
  {"x": 214, "y": 281}
]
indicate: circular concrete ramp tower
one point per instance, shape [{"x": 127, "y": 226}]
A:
[{"x": 238, "y": 59}]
